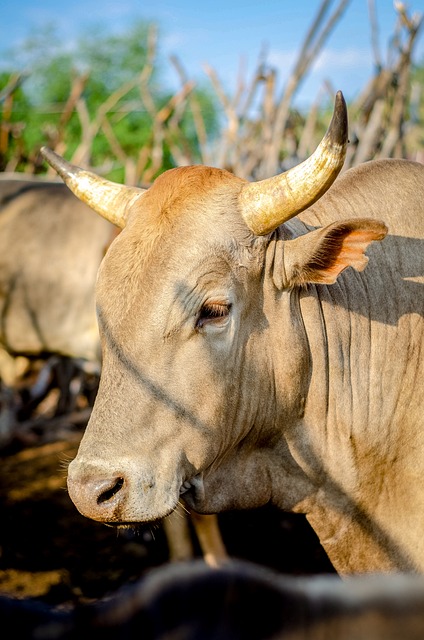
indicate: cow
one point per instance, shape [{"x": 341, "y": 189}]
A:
[
  {"x": 238, "y": 601},
  {"x": 47, "y": 308},
  {"x": 51, "y": 246},
  {"x": 46, "y": 296},
  {"x": 249, "y": 357}
]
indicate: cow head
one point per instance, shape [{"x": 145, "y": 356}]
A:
[{"x": 190, "y": 393}]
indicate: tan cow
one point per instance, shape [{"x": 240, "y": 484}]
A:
[
  {"x": 245, "y": 361},
  {"x": 51, "y": 246}
]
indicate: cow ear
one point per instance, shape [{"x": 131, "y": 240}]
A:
[{"x": 321, "y": 255}]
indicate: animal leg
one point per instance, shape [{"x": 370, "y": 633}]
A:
[{"x": 210, "y": 539}]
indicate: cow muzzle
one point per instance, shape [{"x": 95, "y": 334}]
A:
[{"x": 118, "y": 497}]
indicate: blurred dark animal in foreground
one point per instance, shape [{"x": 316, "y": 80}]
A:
[{"x": 240, "y": 601}]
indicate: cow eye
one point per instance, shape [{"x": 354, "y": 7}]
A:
[{"x": 213, "y": 312}]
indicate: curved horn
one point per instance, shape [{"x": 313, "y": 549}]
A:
[
  {"x": 110, "y": 199},
  {"x": 268, "y": 203}
]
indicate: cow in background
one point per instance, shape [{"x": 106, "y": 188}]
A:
[{"x": 46, "y": 298}]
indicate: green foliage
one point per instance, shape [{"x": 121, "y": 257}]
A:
[{"x": 110, "y": 62}]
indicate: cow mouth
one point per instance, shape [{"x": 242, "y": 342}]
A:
[
  {"x": 136, "y": 526},
  {"x": 193, "y": 490}
]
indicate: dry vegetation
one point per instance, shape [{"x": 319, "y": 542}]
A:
[{"x": 262, "y": 132}]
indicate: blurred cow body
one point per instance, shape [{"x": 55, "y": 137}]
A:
[
  {"x": 51, "y": 246},
  {"x": 239, "y": 601},
  {"x": 47, "y": 311}
]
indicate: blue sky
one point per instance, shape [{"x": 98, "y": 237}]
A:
[{"x": 223, "y": 33}]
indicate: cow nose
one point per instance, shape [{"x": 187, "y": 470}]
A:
[
  {"x": 107, "y": 490},
  {"x": 101, "y": 499},
  {"x": 110, "y": 495}
]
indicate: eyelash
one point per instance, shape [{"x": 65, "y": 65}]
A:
[{"x": 212, "y": 312}]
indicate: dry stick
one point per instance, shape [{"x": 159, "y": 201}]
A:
[
  {"x": 307, "y": 143},
  {"x": 397, "y": 114},
  {"x": 114, "y": 144},
  {"x": 374, "y": 34},
  {"x": 147, "y": 73},
  {"x": 130, "y": 177},
  {"x": 180, "y": 148},
  {"x": 372, "y": 132},
  {"x": 145, "y": 153},
  {"x": 86, "y": 132},
  {"x": 57, "y": 139},
  {"x": 269, "y": 164},
  {"x": 233, "y": 151},
  {"x": 365, "y": 113},
  {"x": 371, "y": 135},
  {"x": 6, "y": 96},
  {"x": 156, "y": 155},
  {"x": 14, "y": 83},
  {"x": 413, "y": 132},
  {"x": 375, "y": 89},
  {"x": 256, "y": 135},
  {"x": 268, "y": 109},
  {"x": 228, "y": 137},
  {"x": 153, "y": 151},
  {"x": 250, "y": 144},
  {"x": 199, "y": 123},
  {"x": 259, "y": 76},
  {"x": 19, "y": 153},
  {"x": 240, "y": 87},
  {"x": 91, "y": 129},
  {"x": 308, "y": 54},
  {"x": 234, "y": 157},
  {"x": 156, "y": 139},
  {"x": 78, "y": 86},
  {"x": 159, "y": 133},
  {"x": 5, "y": 123},
  {"x": 172, "y": 115},
  {"x": 368, "y": 119}
]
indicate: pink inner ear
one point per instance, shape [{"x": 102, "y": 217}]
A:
[{"x": 351, "y": 254}]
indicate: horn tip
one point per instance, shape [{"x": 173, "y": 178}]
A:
[
  {"x": 338, "y": 128},
  {"x": 45, "y": 152},
  {"x": 58, "y": 163}
]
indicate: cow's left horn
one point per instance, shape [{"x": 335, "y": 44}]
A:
[
  {"x": 110, "y": 199},
  {"x": 268, "y": 203}
]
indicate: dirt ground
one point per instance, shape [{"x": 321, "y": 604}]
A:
[{"x": 49, "y": 552}]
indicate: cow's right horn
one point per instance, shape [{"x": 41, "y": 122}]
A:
[
  {"x": 268, "y": 203},
  {"x": 110, "y": 199}
]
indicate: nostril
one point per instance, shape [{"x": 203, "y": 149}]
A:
[{"x": 107, "y": 495}]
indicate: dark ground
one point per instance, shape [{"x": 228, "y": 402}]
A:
[{"x": 49, "y": 552}]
